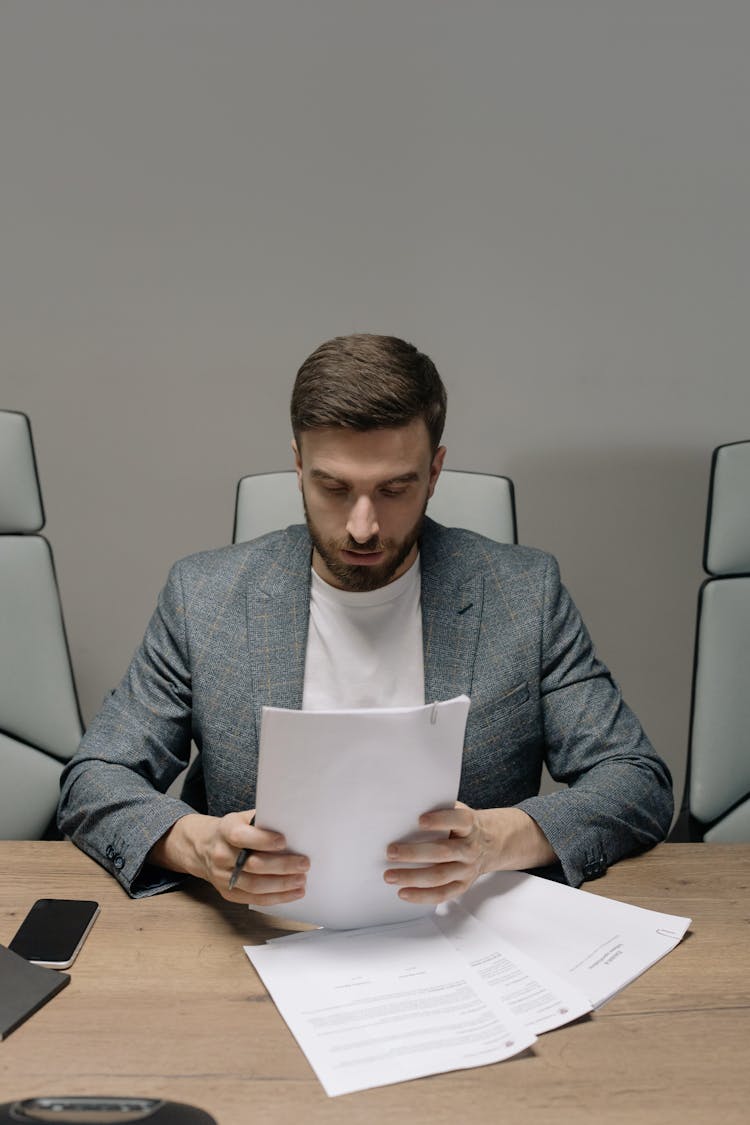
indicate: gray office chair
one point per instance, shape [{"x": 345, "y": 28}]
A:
[
  {"x": 40, "y": 722},
  {"x": 716, "y": 807},
  {"x": 477, "y": 501}
]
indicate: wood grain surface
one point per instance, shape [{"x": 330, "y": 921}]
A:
[{"x": 164, "y": 1003}]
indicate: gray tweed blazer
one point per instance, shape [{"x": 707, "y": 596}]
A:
[{"x": 229, "y": 635}]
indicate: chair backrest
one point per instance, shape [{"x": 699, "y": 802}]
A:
[
  {"x": 477, "y": 501},
  {"x": 718, "y": 779},
  {"x": 40, "y": 721}
]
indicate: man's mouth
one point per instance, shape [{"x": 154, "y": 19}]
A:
[{"x": 362, "y": 558}]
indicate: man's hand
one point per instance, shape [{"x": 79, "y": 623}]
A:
[
  {"x": 479, "y": 841},
  {"x": 207, "y": 846}
]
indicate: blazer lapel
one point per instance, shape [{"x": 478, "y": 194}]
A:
[
  {"x": 451, "y": 617},
  {"x": 278, "y": 610}
]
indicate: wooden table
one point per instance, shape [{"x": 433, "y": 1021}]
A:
[{"x": 164, "y": 1003}]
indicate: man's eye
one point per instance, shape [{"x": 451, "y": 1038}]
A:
[
  {"x": 334, "y": 489},
  {"x": 394, "y": 491}
]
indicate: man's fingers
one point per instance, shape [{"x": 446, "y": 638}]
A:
[
  {"x": 447, "y": 850},
  {"x": 269, "y": 875},
  {"x": 459, "y": 821},
  {"x": 432, "y": 894},
  {"x": 260, "y": 885},
  {"x": 269, "y": 863},
  {"x": 437, "y": 875},
  {"x": 240, "y": 834},
  {"x": 272, "y": 899}
]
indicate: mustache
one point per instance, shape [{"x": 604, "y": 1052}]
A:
[{"x": 371, "y": 547}]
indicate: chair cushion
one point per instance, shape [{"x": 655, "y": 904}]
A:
[
  {"x": 20, "y": 499},
  {"x": 720, "y": 762},
  {"x": 37, "y": 696},
  {"x": 734, "y": 828},
  {"x": 727, "y": 548},
  {"x": 29, "y": 792}
]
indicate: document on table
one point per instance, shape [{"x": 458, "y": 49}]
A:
[
  {"x": 385, "y": 1004},
  {"x": 540, "y": 998},
  {"x": 389, "y": 1003},
  {"x": 599, "y": 944},
  {"x": 342, "y": 785}
]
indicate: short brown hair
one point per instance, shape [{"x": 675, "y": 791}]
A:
[{"x": 366, "y": 382}]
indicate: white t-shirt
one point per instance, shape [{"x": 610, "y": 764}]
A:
[{"x": 365, "y": 649}]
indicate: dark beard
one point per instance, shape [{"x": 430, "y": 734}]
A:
[{"x": 362, "y": 579}]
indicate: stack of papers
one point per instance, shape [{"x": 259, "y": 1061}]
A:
[
  {"x": 372, "y": 1003},
  {"x": 385, "y": 1004},
  {"x": 342, "y": 785}
]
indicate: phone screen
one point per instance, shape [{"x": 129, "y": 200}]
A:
[{"x": 54, "y": 930}]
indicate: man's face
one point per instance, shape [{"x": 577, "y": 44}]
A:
[{"x": 365, "y": 495}]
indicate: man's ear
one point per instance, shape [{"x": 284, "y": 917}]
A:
[
  {"x": 297, "y": 463},
  {"x": 435, "y": 469}
]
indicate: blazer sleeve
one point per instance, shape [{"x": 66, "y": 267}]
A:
[
  {"x": 619, "y": 797},
  {"x": 113, "y": 801}
]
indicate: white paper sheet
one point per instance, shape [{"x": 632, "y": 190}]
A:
[
  {"x": 386, "y": 1004},
  {"x": 599, "y": 944},
  {"x": 540, "y": 998},
  {"x": 342, "y": 785}
]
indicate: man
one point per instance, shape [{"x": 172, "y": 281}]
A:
[{"x": 371, "y": 604}]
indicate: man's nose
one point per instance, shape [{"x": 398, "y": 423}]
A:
[{"x": 363, "y": 521}]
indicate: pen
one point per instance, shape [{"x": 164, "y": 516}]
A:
[
  {"x": 239, "y": 863},
  {"x": 243, "y": 856}
]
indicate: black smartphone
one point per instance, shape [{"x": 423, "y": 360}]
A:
[{"x": 54, "y": 930}]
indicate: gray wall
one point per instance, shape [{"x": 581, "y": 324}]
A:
[{"x": 548, "y": 196}]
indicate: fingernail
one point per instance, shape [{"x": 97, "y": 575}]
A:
[
  {"x": 390, "y": 876},
  {"x": 392, "y": 852}
]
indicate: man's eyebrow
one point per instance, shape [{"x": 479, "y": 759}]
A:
[
  {"x": 321, "y": 474},
  {"x": 402, "y": 478}
]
